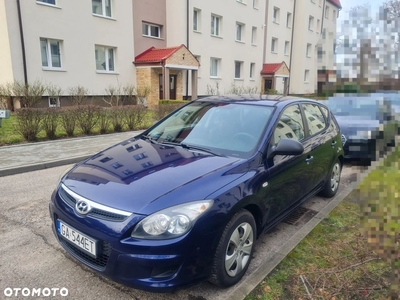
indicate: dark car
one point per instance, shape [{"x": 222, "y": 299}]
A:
[
  {"x": 368, "y": 125},
  {"x": 186, "y": 200}
]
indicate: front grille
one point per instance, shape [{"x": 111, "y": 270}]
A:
[
  {"x": 95, "y": 212},
  {"x": 98, "y": 263}
]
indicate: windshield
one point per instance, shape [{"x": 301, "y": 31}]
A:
[
  {"x": 364, "y": 108},
  {"x": 222, "y": 128}
]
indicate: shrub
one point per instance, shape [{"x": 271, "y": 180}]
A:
[
  {"x": 104, "y": 119},
  {"x": 28, "y": 94},
  {"x": 78, "y": 94},
  {"x": 271, "y": 92},
  {"x": 117, "y": 114},
  {"x": 68, "y": 118},
  {"x": 134, "y": 115},
  {"x": 164, "y": 109},
  {"x": 28, "y": 122},
  {"x": 50, "y": 122},
  {"x": 87, "y": 117}
]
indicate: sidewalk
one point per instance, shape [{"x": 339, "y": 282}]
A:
[{"x": 42, "y": 155}]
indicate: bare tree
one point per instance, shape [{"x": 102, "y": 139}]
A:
[{"x": 393, "y": 7}]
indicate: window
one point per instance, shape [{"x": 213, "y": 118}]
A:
[
  {"x": 255, "y": 3},
  {"x": 196, "y": 19},
  {"x": 254, "y": 35},
  {"x": 318, "y": 25},
  {"x": 276, "y": 15},
  {"x": 320, "y": 2},
  {"x": 252, "y": 68},
  {"x": 327, "y": 11},
  {"x": 315, "y": 118},
  {"x": 102, "y": 8},
  {"x": 105, "y": 58},
  {"x": 239, "y": 32},
  {"x": 274, "y": 45},
  {"x": 308, "y": 50},
  {"x": 313, "y": 1},
  {"x": 238, "y": 69},
  {"x": 215, "y": 25},
  {"x": 214, "y": 67},
  {"x": 311, "y": 23},
  {"x": 53, "y": 2},
  {"x": 151, "y": 30},
  {"x": 54, "y": 102},
  {"x": 51, "y": 53},
  {"x": 287, "y": 47},
  {"x": 306, "y": 75},
  {"x": 334, "y": 15},
  {"x": 290, "y": 125},
  {"x": 289, "y": 20},
  {"x": 241, "y": 1}
]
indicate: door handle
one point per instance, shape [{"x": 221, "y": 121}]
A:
[{"x": 309, "y": 159}]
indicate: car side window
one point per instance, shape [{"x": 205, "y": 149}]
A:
[
  {"x": 315, "y": 118},
  {"x": 290, "y": 125},
  {"x": 325, "y": 112}
]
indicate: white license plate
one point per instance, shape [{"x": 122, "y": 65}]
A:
[{"x": 76, "y": 237}]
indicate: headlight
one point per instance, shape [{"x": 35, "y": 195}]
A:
[
  {"x": 171, "y": 222},
  {"x": 63, "y": 174}
]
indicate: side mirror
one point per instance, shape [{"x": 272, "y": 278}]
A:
[{"x": 287, "y": 147}]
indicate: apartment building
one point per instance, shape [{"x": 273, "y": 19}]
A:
[
  {"x": 67, "y": 43},
  {"x": 179, "y": 49},
  {"x": 299, "y": 40}
]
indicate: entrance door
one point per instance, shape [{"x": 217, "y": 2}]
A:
[
  {"x": 267, "y": 84},
  {"x": 172, "y": 87}
]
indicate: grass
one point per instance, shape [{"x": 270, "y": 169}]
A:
[
  {"x": 9, "y": 135},
  {"x": 339, "y": 259}
]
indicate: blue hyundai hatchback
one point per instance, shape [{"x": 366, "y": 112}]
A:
[{"x": 186, "y": 200}]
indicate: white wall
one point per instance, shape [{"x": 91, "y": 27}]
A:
[{"x": 73, "y": 23}]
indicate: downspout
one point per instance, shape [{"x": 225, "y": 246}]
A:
[
  {"x": 187, "y": 45},
  {"x": 323, "y": 16},
  {"x": 291, "y": 47},
  {"x": 264, "y": 27},
  {"x": 21, "y": 31}
]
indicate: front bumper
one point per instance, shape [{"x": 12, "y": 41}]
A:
[{"x": 151, "y": 265}]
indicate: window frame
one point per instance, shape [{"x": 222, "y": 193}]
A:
[
  {"x": 308, "y": 50},
  {"x": 239, "y": 31},
  {"x": 44, "y": 2},
  {"x": 306, "y": 76},
  {"x": 106, "y": 59},
  {"x": 149, "y": 31},
  {"x": 276, "y": 15},
  {"x": 289, "y": 20},
  {"x": 311, "y": 23},
  {"x": 287, "y": 47},
  {"x": 49, "y": 54},
  {"x": 254, "y": 35},
  {"x": 326, "y": 11},
  {"x": 252, "y": 70},
  {"x": 104, "y": 10},
  {"x": 274, "y": 45},
  {"x": 238, "y": 68},
  {"x": 197, "y": 20},
  {"x": 218, "y": 66},
  {"x": 255, "y": 4},
  {"x": 58, "y": 103},
  {"x": 216, "y": 29}
]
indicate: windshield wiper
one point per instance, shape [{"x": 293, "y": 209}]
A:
[
  {"x": 149, "y": 138},
  {"x": 194, "y": 147}
]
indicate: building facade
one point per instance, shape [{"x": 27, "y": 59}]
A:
[{"x": 245, "y": 46}]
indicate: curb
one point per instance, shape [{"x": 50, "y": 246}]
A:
[{"x": 42, "y": 166}]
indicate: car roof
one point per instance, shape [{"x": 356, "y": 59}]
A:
[{"x": 256, "y": 99}]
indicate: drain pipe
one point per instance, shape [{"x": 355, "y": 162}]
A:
[
  {"x": 187, "y": 45},
  {"x": 21, "y": 31},
  {"x": 291, "y": 47}
]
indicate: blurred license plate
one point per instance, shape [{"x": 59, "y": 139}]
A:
[{"x": 77, "y": 238}]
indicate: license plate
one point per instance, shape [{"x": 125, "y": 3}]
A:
[{"x": 77, "y": 238}]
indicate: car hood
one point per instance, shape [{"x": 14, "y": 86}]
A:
[
  {"x": 353, "y": 124},
  {"x": 142, "y": 177}
]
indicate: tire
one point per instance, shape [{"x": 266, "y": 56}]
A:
[
  {"x": 235, "y": 250},
  {"x": 332, "y": 184}
]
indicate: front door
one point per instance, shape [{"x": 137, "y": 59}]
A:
[
  {"x": 172, "y": 87},
  {"x": 267, "y": 84}
]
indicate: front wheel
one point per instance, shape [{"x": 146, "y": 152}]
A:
[
  {"x": 332, "y": 184},
  {"x": 235, "y": 250}
]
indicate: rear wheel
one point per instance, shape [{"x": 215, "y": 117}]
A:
[
  {"x": 332, "y": 184},
  {"x": 235, "y": 250}
]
